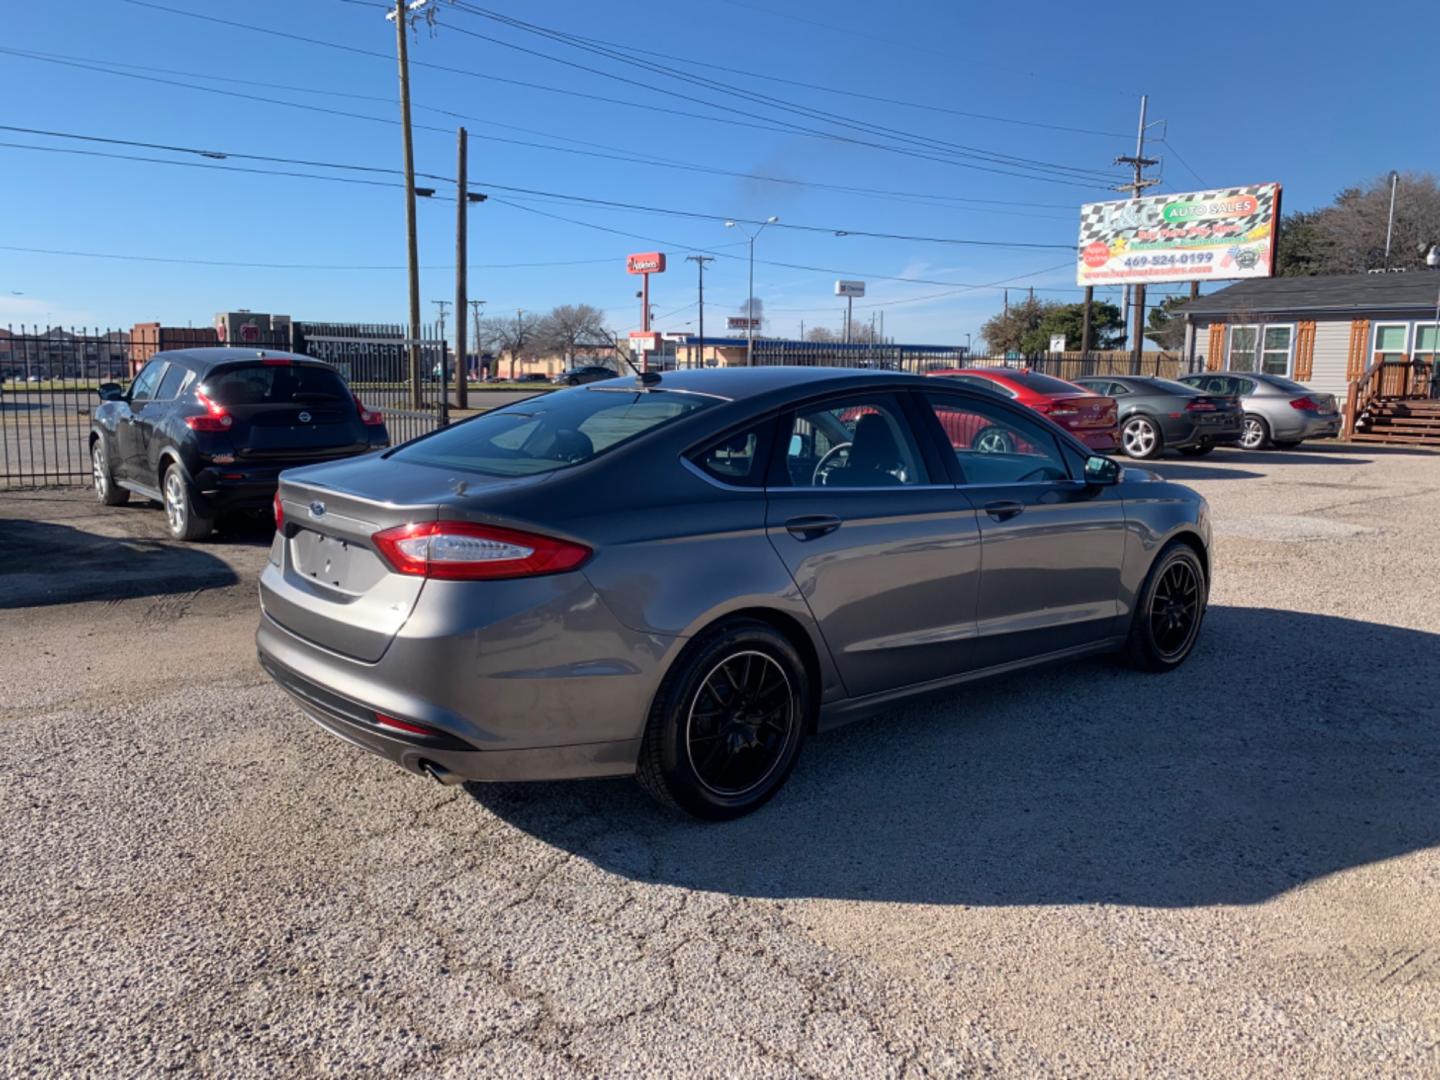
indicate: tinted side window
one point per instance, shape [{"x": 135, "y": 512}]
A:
[
  {"x": 738, "y": 459},
  {"x": 993, "y": 446},
  {"x": 170, "y": 385},
  {"x": 861, "y": 442},
  {"x": 143, "y": 388}
]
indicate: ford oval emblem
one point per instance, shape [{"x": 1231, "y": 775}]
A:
[
  {"x": 317, "y": 509},
  {"x": 304, "y": 418}
]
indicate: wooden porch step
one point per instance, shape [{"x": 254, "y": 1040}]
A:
[
  {"x": 1412, "y": 421},
  {"x": 1398, "y": 439},
  {"x": 1387, "y": 429}
]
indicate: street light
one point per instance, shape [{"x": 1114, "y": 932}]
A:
[{"x": 750, "y": 296}]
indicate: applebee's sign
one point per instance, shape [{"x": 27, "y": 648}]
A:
[{"x": 650, "y": 262}]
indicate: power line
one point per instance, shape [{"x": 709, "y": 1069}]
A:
[
  {"x": 487, "y": 185},
  {"x": 770, "y": 123},
  {"x": 928, "y": 143},
  {"x": 1185, "y": 164},
  {"x": 610, "y": 259},
  {"x": 629, "y": 157}
]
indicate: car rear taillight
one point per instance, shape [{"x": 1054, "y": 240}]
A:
[
  {"x": 373, "y": 417},
  {"x": 215, "y": 417},
  {"x": 464, "y": 551},
  {"x": 279, "y": 508},
  {"x": 407, "y": 726},
  {"x": 1305, "y": 404},
  {"x": 1199, "y": 405}
]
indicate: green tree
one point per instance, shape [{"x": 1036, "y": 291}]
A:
[
  {"x": 1164, "y": 326},
  {"x": 1011, "y": 329}
]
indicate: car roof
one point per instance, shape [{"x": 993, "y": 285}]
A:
[
  {"x": 211, "y": 356},
  {"x": 743, "y": 383}
]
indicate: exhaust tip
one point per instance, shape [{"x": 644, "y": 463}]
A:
[{"x": 440, "y": 774}]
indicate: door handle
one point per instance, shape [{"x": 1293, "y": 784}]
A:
[
  {"x": 1005, "y": 509},
  {"x": 812, "y": 526}
]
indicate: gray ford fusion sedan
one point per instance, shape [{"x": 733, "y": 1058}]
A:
[{"x": 681, "y": 576}]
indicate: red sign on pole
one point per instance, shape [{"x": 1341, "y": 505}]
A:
[{"x": 650, "y": 262}]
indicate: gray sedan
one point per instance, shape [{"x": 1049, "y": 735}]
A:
[
  {"x": 1278, "y": 411},
  {"x": 1158, "y": 415},
  {"x": 682, "y": 576}
]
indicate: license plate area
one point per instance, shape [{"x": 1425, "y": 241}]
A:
[{"x": 334, "y": 562}]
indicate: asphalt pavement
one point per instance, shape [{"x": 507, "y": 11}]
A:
[{"x": 1231, "y": 870}]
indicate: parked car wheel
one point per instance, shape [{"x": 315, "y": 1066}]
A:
[
  {"x": 1141, "y": 438},
  {"x": 993, "y": 440},
  {"x": 727, "y": 723},
  {"x": 1287, "y": 444},
  {"x": 106, "y": 490},
  {"x": 1171, "y": 606},
  {"x": 1256, "y": 434},
  {"x": 182, "y": 520},
  {"x": 1199, "y": 450}
]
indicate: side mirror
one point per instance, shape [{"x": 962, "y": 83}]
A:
[
  {"x": 1101, "y": 471},
  {"x": 110, "y": 391}
]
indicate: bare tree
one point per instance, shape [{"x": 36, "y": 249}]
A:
[
  {"x": 1349, "y": 235},
  {"x": 514, "y": 335},
  {"x": 569, "y": 326},
  {"x": 821, "y": 334}
]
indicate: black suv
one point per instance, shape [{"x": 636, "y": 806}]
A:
[{"x": 203, "y": 431}]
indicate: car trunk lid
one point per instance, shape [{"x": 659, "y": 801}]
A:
[
  {"x": 328, "y": 583},
  {"x": 1085, "y": 411}
]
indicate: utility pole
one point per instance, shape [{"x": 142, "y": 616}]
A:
[
  {"x": 444, "y": 402},
  {"x": 475, "y": 306},
  {"x": 412, "y": 248},
  {"x": 1390, "y": 223},
  {"x": 700, "y": 261},
  {"x": 1139, "y": 162},
  {"x": 849, "y": 314},
  {"x": 462, "y": 201},
  {"x": 1085, "y": 324}
]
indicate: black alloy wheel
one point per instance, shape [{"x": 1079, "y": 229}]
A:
[
  {"x": 1169, "y": 611},
  {"x": 727, "y": 723}
]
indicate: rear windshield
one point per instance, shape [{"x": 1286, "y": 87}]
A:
[
  {"x": 272, "y": 384},
  {"x": 1166, "y": 386},
  {"x": 1288, "y": 385},
  {"x": 550, "y": 432},
  {"x": 1043, "y": 384}
]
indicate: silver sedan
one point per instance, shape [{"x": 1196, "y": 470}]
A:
[
  {"x": 1278, "y": 411},
  {"x": 683, "y": 576}
]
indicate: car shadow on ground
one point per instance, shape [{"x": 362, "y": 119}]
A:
[
  {"x": 1289, "y": 747},
  {"x": 44, "y": 563},
  {"x": 1180, "y": 470}
]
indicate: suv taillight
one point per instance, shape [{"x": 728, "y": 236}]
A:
[
  {"x": 373, "y": 417},
  {"x": 465, "y": 551},
  {"x": 1305, "y": 404},
  {"x": 215, "y": 417}
]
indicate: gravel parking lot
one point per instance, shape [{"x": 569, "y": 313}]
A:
[{"x": 1228, "y": 871}]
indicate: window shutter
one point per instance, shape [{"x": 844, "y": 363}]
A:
[
  {"x": 1305, "y": 352},
  {"x": 1215, "y": 353},
  {"x": 1359, "y": 344}
]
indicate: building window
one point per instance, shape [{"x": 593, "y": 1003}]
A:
[
  {"x": 1427, "y": 341},
  {"x": 1241, "y": 353},
  {"x": 1275, "y": 356},
  {"x": 1390, "y": 342}
]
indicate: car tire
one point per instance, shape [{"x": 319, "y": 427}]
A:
[
  {"x": 1140, "y": 438},
  {"x": 182, "y": 519},
  {"x": 727, "y": 723},
  {"x": 993, "y": 440},
  {"x": 1199, "y": 450},
  {"x": 1256, "y": 433},
  {"x": 106, "y": 490},
  {"x": 1157, "y": 640},
  {"x": 1286, "y": 444}
]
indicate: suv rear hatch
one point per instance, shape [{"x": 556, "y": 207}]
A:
[{"x": 287, "y": 411}]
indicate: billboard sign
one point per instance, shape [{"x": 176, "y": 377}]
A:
[
  {"x": 1194, "y": 236},
  {"x": 740, "y": 322},
  {"x": 849, "y": 288},
  {"x": 645, "y": 340},
  {"x": 649, "y": 262}
]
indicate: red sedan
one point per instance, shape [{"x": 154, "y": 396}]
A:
[{"x": 1090, "y": 417}]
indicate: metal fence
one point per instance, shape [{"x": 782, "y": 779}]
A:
[
  {"x": 49, "y": 379},
  {"x": 921, "y": 359}
]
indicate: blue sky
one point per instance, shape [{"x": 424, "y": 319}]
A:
[{"x": 1250, "y": 93}]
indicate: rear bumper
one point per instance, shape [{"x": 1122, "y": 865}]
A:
[
  {"x": 456, "y": 761},
  {"x": 1101, "y": 439},
  {"x": 1309, "y": 426},
  {"x": 242, "y": 486},
  {"x": 1197, "y": 433}
]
